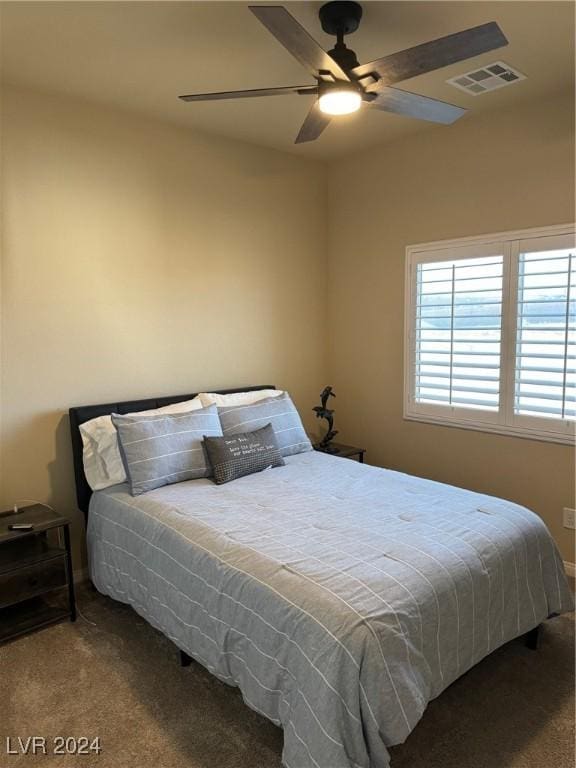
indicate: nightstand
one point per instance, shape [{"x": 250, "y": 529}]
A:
[
  {"x": 343, "y": 451},
  {"x": 34, "y": 571}
]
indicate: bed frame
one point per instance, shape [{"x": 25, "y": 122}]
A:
[
  {"x": 84, "y": 413},
  {"x": 83, "y": 491}
]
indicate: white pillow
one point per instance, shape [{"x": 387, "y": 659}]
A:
[
  {"x": 237, "y": 398},
  {"x": 103, "y": 465}
]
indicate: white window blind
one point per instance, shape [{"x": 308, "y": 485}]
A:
[
  {"x": 458, "y": 332},
  {"x": 491, "y": 333},
  {"x": 545, "y": 375}
]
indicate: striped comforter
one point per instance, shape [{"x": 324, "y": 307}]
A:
[{"x": 340, "y": 598}]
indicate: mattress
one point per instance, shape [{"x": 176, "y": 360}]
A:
[{"x": 340, "y": 598}]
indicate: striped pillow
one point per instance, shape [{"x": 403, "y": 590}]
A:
[
  {"x": 164, "y": 449},
  {"x": 278, "y": 411}
]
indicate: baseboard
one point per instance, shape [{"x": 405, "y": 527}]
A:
[{"x": 570, "y": 569}]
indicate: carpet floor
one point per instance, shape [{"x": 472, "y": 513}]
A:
[{"x": 119, "y": 679}]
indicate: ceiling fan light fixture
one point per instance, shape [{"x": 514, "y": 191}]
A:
[
  {"x": 340, "y": 101},
  {"x": 342, "y": 83}
]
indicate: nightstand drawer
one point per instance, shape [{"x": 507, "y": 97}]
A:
[{"x": 31, "y": 581}]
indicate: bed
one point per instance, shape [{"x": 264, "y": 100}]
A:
[{"x": 340, "y": 598}]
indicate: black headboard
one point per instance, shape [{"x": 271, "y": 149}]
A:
[{"x": 86, "y": 412}]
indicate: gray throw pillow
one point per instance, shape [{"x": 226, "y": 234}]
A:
[
  {"x": 164, "y": 449},
  {"x": 243, "y": 454},
  {"x": 278, "y": 411}
]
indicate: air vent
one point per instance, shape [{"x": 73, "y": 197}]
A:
[{"x": 489, "y": 78}]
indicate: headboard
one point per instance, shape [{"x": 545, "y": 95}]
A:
[{"x": 86, "y": 412}]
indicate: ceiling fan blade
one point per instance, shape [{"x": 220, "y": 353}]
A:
[
  {"x": 312, "y": 127},
  {"x": 435, "y": 54},
  {"x": 415, "y": 105},
  {"x": 297, "y": 41},
  {"x": 285, "y": 91}
]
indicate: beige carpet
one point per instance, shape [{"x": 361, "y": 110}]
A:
[{"x": 120, "y": 680}]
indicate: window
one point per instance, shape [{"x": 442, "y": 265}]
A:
[{"x": 491, "y": 333}]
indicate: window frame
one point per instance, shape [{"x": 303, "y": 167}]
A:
[{"x": 504, "y": 421}]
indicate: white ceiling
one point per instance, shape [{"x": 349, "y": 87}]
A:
[{"x": 142, "y": 55}]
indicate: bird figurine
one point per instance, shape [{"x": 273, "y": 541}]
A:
[{"x": 323, "y": 412}]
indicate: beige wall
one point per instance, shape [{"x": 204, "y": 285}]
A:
[
  {"x": 500, "y": 171},
  {"x": 140, "y": 260}
]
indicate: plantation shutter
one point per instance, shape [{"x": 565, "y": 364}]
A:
[
  {"x": 458, "y": 330},
  {"x": 491, "y": 333},
  {"x": 545, "y": 369}
]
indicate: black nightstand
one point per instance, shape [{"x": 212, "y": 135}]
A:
[
  {"x": 343, "y": 451},
  {"x": 34, "y": 569}
]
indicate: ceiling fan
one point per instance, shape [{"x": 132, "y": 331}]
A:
[{"x": 343, "y": 85}]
